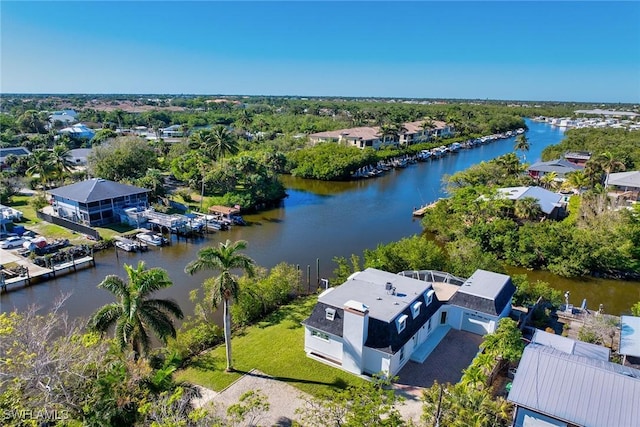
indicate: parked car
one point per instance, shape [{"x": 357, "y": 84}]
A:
[{"x": 11, "y": 242}]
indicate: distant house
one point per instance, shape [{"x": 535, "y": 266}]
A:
[
  {"x": 579, "y": 158},
  {"x": 96, "y": 201},
  {"x": 173, "y": 131},
  {"x": 78, "y": 156},
  {"x": 377, "y": 321},
  {"x": 551, "y": 204},
  {"x": 573, "y": 385},
  {"x": 66, "y": 117},
  {"x": 78, "y": 131},
  {"x": 360, "y": 137},
  {"x": 625, "y": 184},
  {"x": 561, "y": 167},
  {"x": 368, "y": 136},
  {"x": 12, "y": 151}
]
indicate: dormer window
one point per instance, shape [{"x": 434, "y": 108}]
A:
[
  {"x": 415, "y": 309},
  {"x": 330, "y": 313},
  {"x": 401, "y": 323},
  {"x": 429, "y": 296}
]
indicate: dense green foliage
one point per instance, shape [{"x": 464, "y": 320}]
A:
[
  {"x": 329, "y": 161},
  {"x": 123, "y": 158},
  {"x": 594, "y": 240},
  {"x": 622, "y": 144}
]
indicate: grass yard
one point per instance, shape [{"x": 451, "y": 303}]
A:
[{"x": 275, "y": 347}]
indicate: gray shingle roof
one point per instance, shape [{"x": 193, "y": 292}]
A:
[
  {"x": 559, "y": 166},
  {"x": 577, "y": 389},
  {"x": 318, "y": 319},
  {"x": 96, "y": 189},
  {"x": 548, "y": 200},
  {"x": 485, "y": 291}
]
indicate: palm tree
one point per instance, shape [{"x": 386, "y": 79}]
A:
[
  {"x": 41, "y": 164},
  {"x": 522, "y": 145},
  {"x": 387, "y": 130},
  {"x": 61, "y": 160},
  {"x": 134, "y": 313},
  {"x": 225, "y": 287},
  {"x": 578, "y": 180},
  {"x": 549, "y": 180},
  {"x": 609, "y": 164},
  {"x": 428, "y": 125},
  {"x": 527, "y": 208},
  {"x": 223, "y": 143}
]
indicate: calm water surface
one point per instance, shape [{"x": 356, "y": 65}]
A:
[{"x": 320, "y": 220}]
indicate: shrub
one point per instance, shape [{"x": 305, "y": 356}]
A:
[{"x": 38, "y": 201}]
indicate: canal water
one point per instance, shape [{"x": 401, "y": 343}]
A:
[{"x": 318, "y": 221}]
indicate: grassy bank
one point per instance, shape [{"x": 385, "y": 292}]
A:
[{"x": 274, "y": 346}]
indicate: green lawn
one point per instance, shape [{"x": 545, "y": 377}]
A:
[{"x": 275, "y": 347}]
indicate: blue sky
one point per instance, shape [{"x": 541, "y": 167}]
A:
[{"x": 563, "y": 51}]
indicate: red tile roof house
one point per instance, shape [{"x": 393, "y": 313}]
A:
[
  {"x": 377, "y": 321},
  {"x": 366, "y": 136}
]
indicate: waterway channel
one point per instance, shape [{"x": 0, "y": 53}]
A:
[{"x": 318, "y": 221}]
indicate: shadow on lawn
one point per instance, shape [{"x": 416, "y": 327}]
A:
[
  {"x": 293, "y": 313},
  {"x": 337, "y": 382}
]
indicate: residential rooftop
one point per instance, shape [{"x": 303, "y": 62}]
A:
[{"x": 369, "y": 287}]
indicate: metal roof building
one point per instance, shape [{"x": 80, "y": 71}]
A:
[{"x": 554, "y": 388}]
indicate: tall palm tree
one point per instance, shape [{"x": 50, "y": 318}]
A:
[
  {"x": 223, "y": 143},
  {"x": 428, "y": 124},
  {"x": 522, "y": 144},
  {"x": 40, "y": 163},
  {"x": 225, "y": 287},
  {"x": 387, "y": 130},
  {"x": 134, "y": 314},
  {"x": 609, "y": 164},
  {"x": 61, "y": 160}
]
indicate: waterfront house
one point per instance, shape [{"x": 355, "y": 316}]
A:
[
  {"x": 96, "y": 201},
  {"x": 66, "y": 117},
  {"x": 551, "y": 204},
  {"x": 573, "y": 385},
  {"x": 377, "y": 321},
  {"x": 369, "y": 136},
  {"x": 579, "y": 158},
  {"x": 560, "y": 166},
  {"x": 360, "y": 137},
  {"x": 624, "y": 185}
]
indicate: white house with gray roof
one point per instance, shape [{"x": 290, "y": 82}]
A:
[
  {"x": 96, "y": 201},
  {"x": 551, "y": 204},
  {"x": 377, "y": 321},
  {"x": 556, "y": 387}
]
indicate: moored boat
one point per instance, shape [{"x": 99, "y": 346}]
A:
[{"x": 151, "y": 239}]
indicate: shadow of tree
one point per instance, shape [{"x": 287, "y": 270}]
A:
[
  {"x": 337, "y": 383},
  {"x": 206, "y": 362}
]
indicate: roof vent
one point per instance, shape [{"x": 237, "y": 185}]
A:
[
  {"x": 379, "y": 298},
  {"x": 388, "y": 286}
]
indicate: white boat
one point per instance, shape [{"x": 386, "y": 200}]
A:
[
  {"x": 127, "y": 246},
  {"x": 150, "y": 238}
]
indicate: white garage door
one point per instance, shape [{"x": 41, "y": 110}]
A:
[{"x": 476, "y": 323}]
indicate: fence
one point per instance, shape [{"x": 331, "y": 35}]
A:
[{"x": 69, "y": 224}]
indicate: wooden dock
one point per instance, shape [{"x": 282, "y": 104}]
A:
[
  {"x": 422, "y": 210},
  {"x": 31, "y": 271}
]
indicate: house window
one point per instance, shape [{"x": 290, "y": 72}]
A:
[
  {"x": 429, "y": 296},
  {"x": 443, "y": 317},
  {"x": 330, "y": 313},
  {"x": 320, "y": 335},
  {"x": 402, "y": 353},
  {"x": 415, "y": 309},
  {"x": 401, "y": 323},
  {"x": 429, "y": 325}
]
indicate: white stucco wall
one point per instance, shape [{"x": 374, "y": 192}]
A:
[
  {"x": 331, "y": 348},
  {"x": 373, "y": 360}
]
